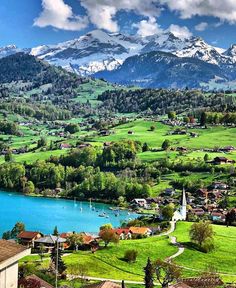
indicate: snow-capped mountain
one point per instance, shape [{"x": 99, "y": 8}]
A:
[
  {"x": 8, "y": 50},
  {"x": 98, "y": 50}
]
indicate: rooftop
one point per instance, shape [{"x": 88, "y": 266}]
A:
[
  {"x": 9, "y": 249},
  {"x": 104, "y": 284}
]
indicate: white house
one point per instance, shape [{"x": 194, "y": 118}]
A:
[{"x": 10, "y": 254}]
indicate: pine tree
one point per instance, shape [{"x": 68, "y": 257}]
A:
[
  {"x": 55, "y": 231},
  {"x": 148, "y": 279},
  {"x": 60, "y": 263}
]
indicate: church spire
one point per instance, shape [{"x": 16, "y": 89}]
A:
[{"x": 183, "y": 209}]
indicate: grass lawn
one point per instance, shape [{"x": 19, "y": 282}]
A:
[
  {"x": 208, "y": 138},
  {"x": 222, "y": 258},
  {"x": 108, "y": 263}
]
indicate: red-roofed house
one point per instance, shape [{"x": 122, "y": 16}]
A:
[
  {"x": 27, "y": 238},
  {"x": 123, "y": 233},
  {"x": 143, "y": 231}
]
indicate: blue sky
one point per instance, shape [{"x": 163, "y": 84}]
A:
[{"x": 29, "y": 23}]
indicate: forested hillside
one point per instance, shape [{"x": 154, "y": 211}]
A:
[{"x": 160, "y": 101}]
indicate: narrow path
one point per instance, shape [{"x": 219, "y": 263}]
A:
[{"x": 173, "y": 241}]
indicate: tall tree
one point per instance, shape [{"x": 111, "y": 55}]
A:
[
  {"x": 56, "y": 259},
  {"x": 148, "y": 279},
  {"x": 166, "y": 272}
]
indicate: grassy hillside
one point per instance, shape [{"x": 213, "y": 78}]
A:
[{"x": 222, "y": 257}]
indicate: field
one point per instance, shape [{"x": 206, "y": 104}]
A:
[
  {"x": 222, "y": 258},
  {"x": 208, "y": 138},
  {"x": 109, "y": 263}
]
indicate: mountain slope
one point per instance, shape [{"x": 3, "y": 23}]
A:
[
  {"x": 161, "y": 69},
  {"x": 98, "y": 50}
]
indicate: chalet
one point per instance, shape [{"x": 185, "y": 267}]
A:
[
  {"x": 42, "y": 283},
  {"x": 228, "y": 149},
  {"x": 142, "y": 231},
  {"x": 219, "y": 185},
  {"x": 123, "y": 233},
  {"x": 217, "y": 216},
  {"x": 105, "y": 133},
  {"x": 84, "y": 145},
  {"x": 193, "y": 134},
  {"x": 198, "y": 211},
  {"x": 139, "y": 203},
  {"x": 89, "y": 240},
  {"x": 130, "y": 132},
  {"x": 181, "y": 149},
  {"x": 50, "y": 241},
  {"x": 65, "y": 146},
  {"x": 202, "y": 193},
  {"x": 222, "y": 160},
  {"x": 10, "y": 254},
  {"x": 27, "y": 238}
]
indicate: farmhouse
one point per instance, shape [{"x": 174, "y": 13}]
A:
[
  {"x": 143, "y": 231},
  {"x": 139, "y": 203},
  {"x": 10, "y": 254},
  {"x": 123, "y": 233},
  {"x": 65, "y": 146},
  {"x": 27, "y": 238},
  {"x": 222, "y": 160},
  {"x": 49, "y": 241}
]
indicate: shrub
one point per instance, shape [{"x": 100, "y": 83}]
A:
[
  {"x": 131, "y": 255},
  {"x": 207, "y": 246}
]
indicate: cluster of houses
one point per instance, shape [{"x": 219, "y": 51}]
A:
[
  {"x": 32, "y": 239},
  {"x": 204, "y": 202}
]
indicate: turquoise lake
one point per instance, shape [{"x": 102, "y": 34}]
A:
[{"x": 43, "y": 214}]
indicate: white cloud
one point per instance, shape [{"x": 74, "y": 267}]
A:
[
  {"x": 102, "y": 12},
  {"x": 181, "y": 32},
  {"x": 225, "y": 10},
  {"x": 201, "y": 26},
  {"x": 148, "y": 27},
  {"x": 60, "y": 15}
]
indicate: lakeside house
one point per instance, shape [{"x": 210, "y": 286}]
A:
[
  {"x": 123, "y": 233},
  {"x": 28, "y": 238},
  {"x": 10, "y": 254},
  {"x": 50, "y": 241},
  {"x": 139, "y": 203},
  {"x": 140, "y": 231}
]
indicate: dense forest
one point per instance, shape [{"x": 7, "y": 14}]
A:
[{"x": 161, "y": 101}]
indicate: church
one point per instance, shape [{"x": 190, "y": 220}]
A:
[{"x": 181, "y": 214}]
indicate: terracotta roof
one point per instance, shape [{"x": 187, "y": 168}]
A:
[
  {"x": 28, "y": 235},
  {"x": 120, "y": 231},
  {"x": 139, "y": 230},
  {"x": 43, "y": 283},
  {"x": 9, "y": 249},
  {"x": 180, "y": 285},
  {"x": 104, "y": 284}
]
